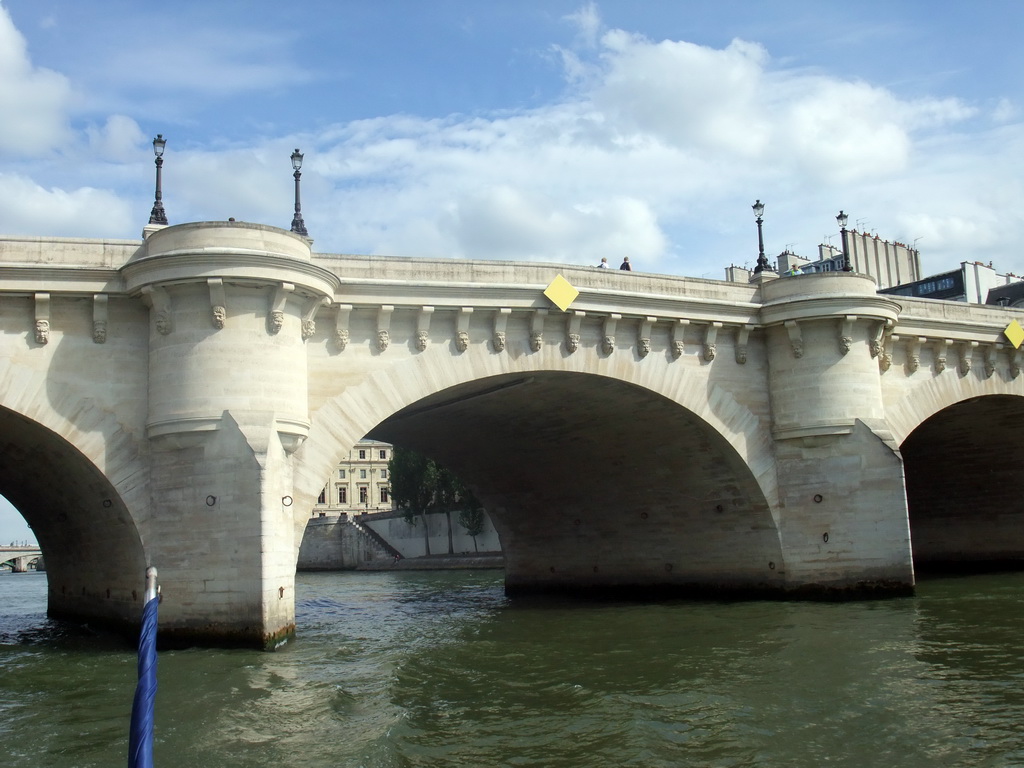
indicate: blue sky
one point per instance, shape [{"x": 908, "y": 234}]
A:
[{"x": 527, "y": 129}]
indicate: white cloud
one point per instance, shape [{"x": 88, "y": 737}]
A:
[
  {"x": 1005, "y": 111},
  {"x": 732, "y": 104},
  {"x": 28, "y": 209},
  {"x": 505, "y": 223},
  {"x": 33, "y": 101},
  {"x": 117, "y": 140},
  {"x": 206, "y": 61},
  {"x": 685, "y": 94},
  {"x": 587, "y": 21}
]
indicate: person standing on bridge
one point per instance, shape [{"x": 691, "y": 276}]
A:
[
  {"x": 626, "y": 265},
  {"x": 603, "y": 264}
]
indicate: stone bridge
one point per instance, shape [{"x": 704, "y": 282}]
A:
[
  {"x": 181, "y": 400},
  {"x": 21, "y": 559}
]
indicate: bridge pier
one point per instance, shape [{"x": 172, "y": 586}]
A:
[
  {"x": 224, "y": 534},
  {"x": 842, "y": 509},
  {"x": 230, "y": 307},
  {"x": 843, "y": 514}
]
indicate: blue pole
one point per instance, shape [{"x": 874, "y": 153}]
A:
[{"x": 140, "y": 740}]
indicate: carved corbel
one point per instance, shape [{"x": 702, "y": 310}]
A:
[
  {"x": 991, "y": 350},
  {"x": 846, "y": 333},
  {"x": 940, "y": 354},
  {"x": 1016, "y": 359},
  {"x": 384, "y": 326},
  {"x": 500, "y": 322},
  {"x": 537, "y": 329},
  {"x": 423, "y": 328},
  {"x": 572, "y": 339},
  {"x": 42, "y": 318},
  {"x": 966, "y": 352},
  {"x": 309, "y": 316},
  {"x": 796, "y": 340},
  {"x": 679, "y": 337},
  {"x": 742, "y": 336},
  {"x": 341, "y": 330},
  {"x": 608, "y": 343},
  {"x": 161, "y": 303},
  {"x": 710, "y": 339},
  {"x": 218, "y": 302},
  {"x": 462, "y": 329},
  {"x": 914, "y": 353},
  {"x": 99, "y": 318},
  {"x": 878, "y": 337},
  {"x": 275, "y": 321},
  {"x": 885, "y": 354},
  {"x": 643, "y": 340}
]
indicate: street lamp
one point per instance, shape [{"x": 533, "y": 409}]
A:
[
  {"x": 157, "y": 215},
  {"x": 762, "y": 262},
  {"x": 298, "y": 226},
  {"x": 842, "y": 218}
]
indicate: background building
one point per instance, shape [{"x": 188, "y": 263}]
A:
[
  {"x": 973, "y": 282},
  {"x": 896, "y": 268},
  {"x": 889, "y": 263},
  {"x": 360, "y": 482}
]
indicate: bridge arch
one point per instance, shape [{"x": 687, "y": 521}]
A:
[
  {"x": 570, "y": 453},
  {"x": 88, "y": 537},
  {"x": 964, "y": 469},
  {"x": 915, "y": 399}
]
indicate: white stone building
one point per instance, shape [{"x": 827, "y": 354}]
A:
[{"x": 359, "y": 483}]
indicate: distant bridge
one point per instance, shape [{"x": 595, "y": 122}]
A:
[
  {"x": 180, "y": 401},
  {"x": 21, "y": 559}
]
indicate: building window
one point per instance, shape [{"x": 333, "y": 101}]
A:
[
  {"x": 384, "y": 496},
  {"x": 342, "y": 495},
  {"x": 364, "y": 494},
  {"x": 383, "y": 474},
  {"x": 341, "y": 474},
  {"x": 383, "y": 453},
  {"x": 322, "y": 498},
  {"x": 362, "y": 474},
  {"x": 362, "y": 453}
]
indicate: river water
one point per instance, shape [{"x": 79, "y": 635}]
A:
[{"x": 439, "y": 669}]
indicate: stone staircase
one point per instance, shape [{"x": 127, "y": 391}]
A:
[{"x": 375, "y": 539}]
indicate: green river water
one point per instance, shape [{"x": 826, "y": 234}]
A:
[{"x": 441, "y": 669}]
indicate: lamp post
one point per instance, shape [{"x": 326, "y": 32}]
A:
[
  {"x": 842, "y": 218},
  {"x": 157, "y": 215},
  {"x": 298, "y": 226},
  {"x": 762, "y": 262}
]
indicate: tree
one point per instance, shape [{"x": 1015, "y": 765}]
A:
[
  {"x": 420, "y": 486},
  {"x": 472, "y": 519},
  {"x": 413, "y": 480}
]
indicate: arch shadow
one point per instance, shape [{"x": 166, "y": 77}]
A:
[
  {"x": 90, "y": 543},
  {"x": 964, "y": 469}
]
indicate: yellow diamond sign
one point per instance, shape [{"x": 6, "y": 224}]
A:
[
  {"x": 561, "y": 293},
  {"x": 1015, "y": 334}
]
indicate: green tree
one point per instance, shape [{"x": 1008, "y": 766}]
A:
[
  {"x": 472, "y": 519},
  {"x": 420, "y": 486},
  {"x": 413, "y": 480}
]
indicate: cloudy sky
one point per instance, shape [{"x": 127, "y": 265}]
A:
[{"x": 553, "y": 130}]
